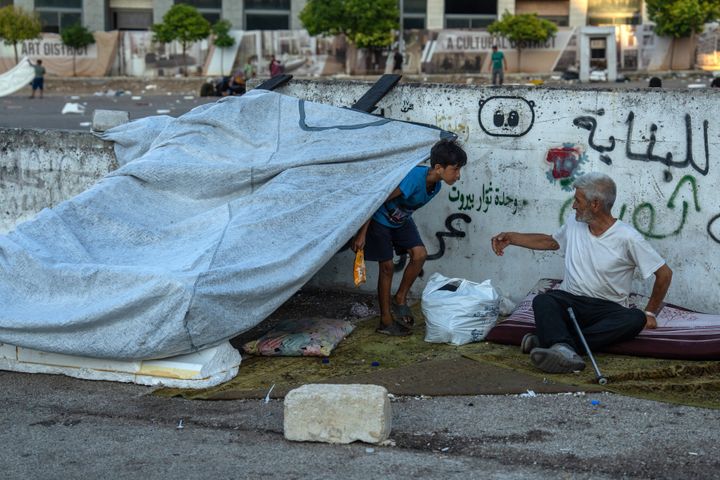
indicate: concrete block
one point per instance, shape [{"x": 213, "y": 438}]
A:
[
  {"x": 107, "y": 119},
  {"x": 338, "y": 413}
]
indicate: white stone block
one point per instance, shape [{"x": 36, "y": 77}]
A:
[
  {"x": 338, "y": 413},
  {"x": 206, "y": 368},
  {"x": 107, "y": 119}
]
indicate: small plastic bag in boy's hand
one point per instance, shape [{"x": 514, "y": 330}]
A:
[{"x": 359, "y": 268}]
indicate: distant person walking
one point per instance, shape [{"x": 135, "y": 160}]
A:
[
  {"x": 276, "y": 67},
  {"x": 499, "y": 65},
  {"x": 397, "y": 61},
  {"x": 39, "y": 80}
]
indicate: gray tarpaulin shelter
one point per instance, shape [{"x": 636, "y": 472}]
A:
[{"x": 211, "y": 222}]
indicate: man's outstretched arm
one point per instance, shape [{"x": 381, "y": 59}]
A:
[
  {"x": 533, "y": 241},
  {"x": 663, "y": 277}
]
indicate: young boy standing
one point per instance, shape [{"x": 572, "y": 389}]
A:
[{"x": 392, "y": 227}]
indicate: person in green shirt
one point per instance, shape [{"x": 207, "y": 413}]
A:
[
  {"x": 499, "y": 65},
  {"x": 39, "y": 80}
]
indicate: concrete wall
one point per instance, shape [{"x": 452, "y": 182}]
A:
[
  {"x": 661, "y": 147},
  {"x": 41, "y": 168},
  {"x": 525, "y": 146}
]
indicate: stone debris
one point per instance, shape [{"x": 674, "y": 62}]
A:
[{"x": 338, "y": 413}]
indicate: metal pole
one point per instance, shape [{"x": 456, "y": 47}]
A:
[
  {"x": 401, "y": 41},
  {"x": 599, "y": 376}
]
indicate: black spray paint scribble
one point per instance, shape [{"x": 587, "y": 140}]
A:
[
  {"x": 407, "y": 106},
  {"x": 505, "y": 116},
  {"x": 590, "y": 123},
  {"x": 451, "y": 232}
]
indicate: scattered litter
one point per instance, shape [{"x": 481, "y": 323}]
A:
[
  {"x": 325, "y": 360},
  {"x": 392, "y": 397},
  {"x": 579, "y": 394},
  {"x": 388, "y": 443},
  {"x": 369, "y": 450},
  {"x": 136, "y": 97},
  {"x": 189, "y": 97},
  {"x": 151, "y": 87},
  {"x": 696, "y": 85},
  {"x": 528, "y": 394},
  {"x": 693, "y": 453},
  {"x": 555, "y": 77},
  {"x": 360, "y": 310},
  {"x": 422, "y": 397},
  {"x": 85, "y": 124},
  {"x": 169, "y": 93},
  {"x": 75, "y": 97},
  {"x": 267, "y": 397},
  {"x": 594, "y": 403},
  {"x": 564, "y": 450},
  {"x": 375, "y": 364},
  {"x": 71, "y": 107},
  {"x": 180, "y": 425},
  {"x": 445, "y": 449},
  {"x": 470, "y": 404},
  {"x": 162, "y": 111}
]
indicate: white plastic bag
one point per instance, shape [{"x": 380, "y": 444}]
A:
[{"x": 458, "y": 311}]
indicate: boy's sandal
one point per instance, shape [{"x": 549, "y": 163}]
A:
[
  {"x": 395, "y": 329},
  {"x": 403, "y": 314}
]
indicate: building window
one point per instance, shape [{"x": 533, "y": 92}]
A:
[
  {"x": 463, "y": 14},
  {"x": 58, "y": 14},
  {"x": 614, "y": 12},
  {"x": 414, "y": 14},
  {"x": 131, "y": 19},
  {"x": 211, "y": 10},
  {"x": 267, "y": 14}
]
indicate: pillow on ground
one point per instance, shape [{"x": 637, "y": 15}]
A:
[
  {"x": 312, "y": 337},
  {"x": 681, "y": 333}
]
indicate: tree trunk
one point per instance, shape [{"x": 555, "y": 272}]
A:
[
  {"x": 74, "y": 72},
  {"x": 222, "y": 62},
  {"x": 519, "y": 65},
  {"x": 672, "y": 52},
  {"x": 185, "y": 67},
  {"x": 16, "y": 54},
  {"x": 349, "y": 57}
]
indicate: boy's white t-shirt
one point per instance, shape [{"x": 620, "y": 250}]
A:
[{"x": 603, "y": 266}]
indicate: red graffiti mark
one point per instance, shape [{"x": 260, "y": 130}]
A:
[{"x": 564, "y": 161}]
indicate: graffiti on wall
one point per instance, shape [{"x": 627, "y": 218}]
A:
[
  {"x": 566, "y": 162},
  {"x": 486, "y": 198},
  {"x": 450, "y": 232},
  {"x": 450, "y": 124},
  {"x": 506, "y": 116},
  {"x": 644, "y": 215},
  {"x": 668, "y": 159}
]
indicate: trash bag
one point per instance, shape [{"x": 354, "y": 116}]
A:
[{"x": 458, "y": 311}]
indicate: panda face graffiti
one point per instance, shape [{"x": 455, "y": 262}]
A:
[{"x": 506, "y": 116}]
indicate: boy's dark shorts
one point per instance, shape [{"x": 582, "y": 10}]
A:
[
  {"x": 380, "y": 240},
  {"x": 37, "y": 83}
]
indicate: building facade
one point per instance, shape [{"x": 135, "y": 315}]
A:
[{"x": 100, "y": 15}]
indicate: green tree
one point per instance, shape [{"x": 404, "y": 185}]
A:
[
  {"x": 365, "y": 23},
  {"x": 523, "y": 30},
  {"x": 222, "y": 40},
  {"x": 18, "y": 25},
  {"x": 681, "y": 18},
  {"x": 184, "y": 24},
  {"x": 77, "y": 37}
]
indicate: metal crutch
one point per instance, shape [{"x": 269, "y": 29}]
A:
[{"x": 600, "y": 379}]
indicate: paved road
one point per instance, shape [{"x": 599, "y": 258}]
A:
[
  {"x": 23, "y": 112},
  {"x": 58, "y": 427}
]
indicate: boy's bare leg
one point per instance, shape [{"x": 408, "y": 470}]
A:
[
  {"x": 411, "y": 273},
  {"x": 385, "y": 276}
]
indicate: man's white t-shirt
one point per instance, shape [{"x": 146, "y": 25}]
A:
[{"x": 603, "y": 266}]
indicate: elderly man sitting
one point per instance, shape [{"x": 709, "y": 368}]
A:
[{"x": 601, "y": 255}]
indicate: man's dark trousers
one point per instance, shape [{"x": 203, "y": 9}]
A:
[{"x": 602, "y": 322}]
